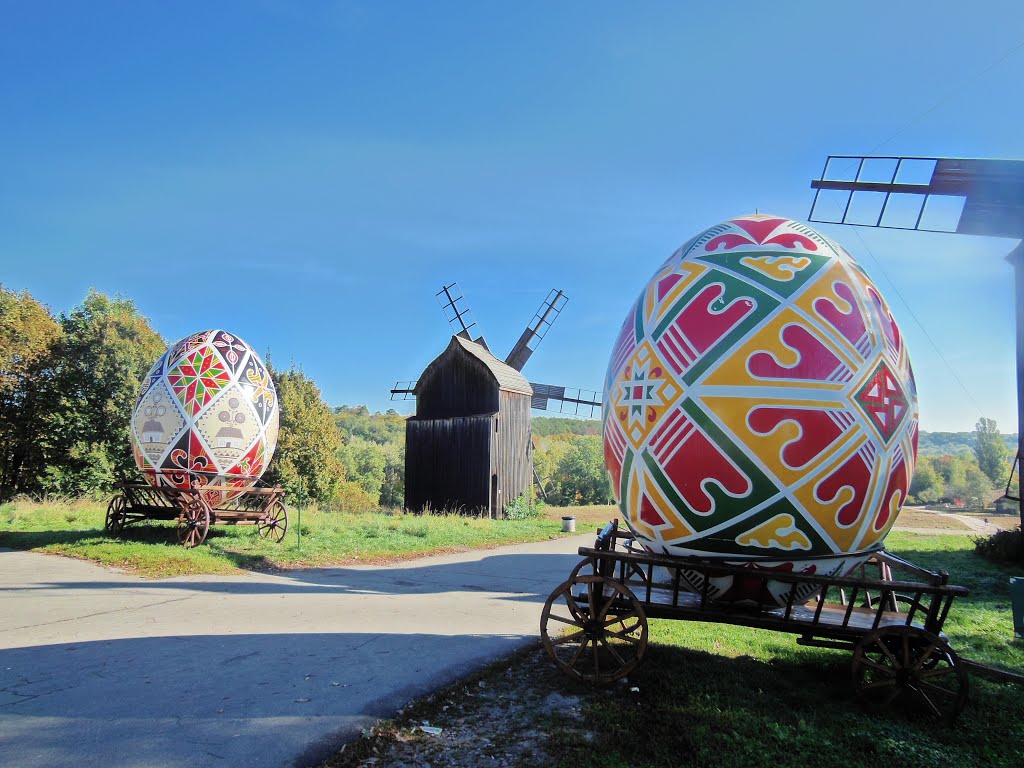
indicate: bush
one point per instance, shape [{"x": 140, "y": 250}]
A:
[
  {"x": 523, "y": 507},
  {"x": 1002, "y": 546}
]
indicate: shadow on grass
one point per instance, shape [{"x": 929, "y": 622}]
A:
[
  {"x": 216, "y": 543},
  {"x": 698, "y": 708}
]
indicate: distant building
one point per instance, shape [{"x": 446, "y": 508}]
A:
[{"x": 468, "y": 447}]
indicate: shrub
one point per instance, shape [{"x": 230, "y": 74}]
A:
[
  {"x": 523, "y": 507},
  {"x": 1002, "y": 546}
]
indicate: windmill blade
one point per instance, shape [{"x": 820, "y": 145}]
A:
[
  {"x": 404, "y": 390},
  {"x": 537, "y": 329},
  {"x": 457, "y": 313},
  {"x": 578, "y": 402}
]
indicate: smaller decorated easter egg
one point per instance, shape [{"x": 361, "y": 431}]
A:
[{"x": 206, "y": 416}]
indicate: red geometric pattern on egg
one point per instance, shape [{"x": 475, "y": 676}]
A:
[
  {"x": 759, "y": 402},
  {"x": 206, "y": 416}
]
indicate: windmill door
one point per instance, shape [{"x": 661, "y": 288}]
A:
[{"x": 495, "y": 500}]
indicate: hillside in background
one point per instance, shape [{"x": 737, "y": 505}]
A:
[
  {"x": 954, "y": 443},
  {"x": 546, "y": 426}
]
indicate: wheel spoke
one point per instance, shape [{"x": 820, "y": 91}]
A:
[
  {"x": 618, "y": 658},
  {"x": 885, "y": 649},
  {"x": 875, "y": 665},
  {"x": 937, "y": 672},
  {"x": 574, "y": 607},
  {"x": 876, "y": 684},
  {"x": 625, "y": 636},
  {"x": 892, "y": 696},
  {"x": 604, "y": 608},
  {"x": 938, "y": 689},
  {"x": 597, "y": 659},
  {"x": 927, "y": 700},
  {"x": 621, "y": 618},
  {"x": 579, "y": 652},
  {"x": 927, "y": 654},
  {"x": 563, "y": 639},
  {"x": 570, "y": 622}
]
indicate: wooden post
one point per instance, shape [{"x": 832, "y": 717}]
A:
[{"x": 1016, "y": 258}]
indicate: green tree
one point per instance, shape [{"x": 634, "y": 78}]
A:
[
  {"x": 105, "y": 350},
  {"x": 580, "y": 477},
  {"x": 991, "y": 451},
  {"x": 28, "y": 334},
  {"x": 927, "y": 486},
  {"x": 306, "y": 462}
]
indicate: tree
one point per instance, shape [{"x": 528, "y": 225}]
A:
[
  {"x": 927, "y": 486},
  {"x": 991, "y": 451},
  {"x": 306, "y": 462},
  {"x": 99, "y": 361},
  {"x": 579, "y": 475},
  {"x": 28, "y": 334}
]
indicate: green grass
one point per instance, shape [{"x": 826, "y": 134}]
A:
[
  {"x": 714, "y": 694},
  {"x": 328, "y": 538}
]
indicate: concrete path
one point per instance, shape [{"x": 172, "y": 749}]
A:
[{"x": 103, "y": 669}]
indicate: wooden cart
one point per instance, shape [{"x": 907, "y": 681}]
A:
[
  {"x": 138, "y": 502},
  {"x": 594, "y": 625}
]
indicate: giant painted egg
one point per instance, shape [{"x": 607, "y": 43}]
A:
[
  {"x": 759, "y": 405},
  {"x": 206, "y": 415}
]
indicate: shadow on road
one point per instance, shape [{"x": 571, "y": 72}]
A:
[
  {"x": 218, "y": 699},
  {"x": 512, "y": 576}
]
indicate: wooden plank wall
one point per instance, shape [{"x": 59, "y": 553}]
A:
[
  {"x": 447, "y": 463},
  {"x": 512, "y": 456},
  {"x": 457, "y": 384}
]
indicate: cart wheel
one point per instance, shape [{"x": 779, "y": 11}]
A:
[
  {"x": 604, "y": 625},
  {"x": 911, "y": 664},
  {"x": 904, "y": 604},
  {"x": 114, "y": 522},
  {"x": 193, "y": 522},
  {"x": 274, "y": 525}
]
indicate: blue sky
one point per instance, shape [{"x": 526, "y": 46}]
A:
[{"x": 307, "y": 175}]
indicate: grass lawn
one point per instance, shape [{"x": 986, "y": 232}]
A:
[
  {"x": 717, "y": 695},
  {"x": 730, "y": 696},
  {"x": 328, "y": 538}
]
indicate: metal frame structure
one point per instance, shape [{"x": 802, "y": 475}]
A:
[{"x": 993, "y": 205}]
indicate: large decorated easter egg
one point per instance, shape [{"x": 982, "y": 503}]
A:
[
  {"x": 759, "y": 405},
  {"x": 206, "y": 415}
]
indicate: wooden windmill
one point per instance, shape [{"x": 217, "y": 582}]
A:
[
  {"x": 987, "y": 198},
  {"x": 468, "y": 447}
]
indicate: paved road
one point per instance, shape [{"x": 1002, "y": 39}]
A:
[{"x": 103, "y": 669}]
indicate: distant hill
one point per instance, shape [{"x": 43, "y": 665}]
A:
[
  {"x": 929, "y": 444},
  {"x": 545, "y": 426},
  {"x": 954, "y": 443}
]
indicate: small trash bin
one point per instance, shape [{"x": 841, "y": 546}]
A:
[
  {"x": 1017, "y": 600},
  {"x": 569, "y": 526}
]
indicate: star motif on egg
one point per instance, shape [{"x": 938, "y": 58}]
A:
[{"x": 644, "y": 391}]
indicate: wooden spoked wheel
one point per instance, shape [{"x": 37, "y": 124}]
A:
[
  {"x": 594, "y": 629},
  {"x": 274, "y": 525},
  {"x": 114, "y": 522},
  {"x": 898, "y": 604},
  {"x": 193, "y": 522},
  {"x": 910, "y": 666}
]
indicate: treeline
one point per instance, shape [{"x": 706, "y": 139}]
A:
[
  {"x": 954, "y": 443},
  {"x": 972, "y": 476},
  {"x": 68, "y": 384}
]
